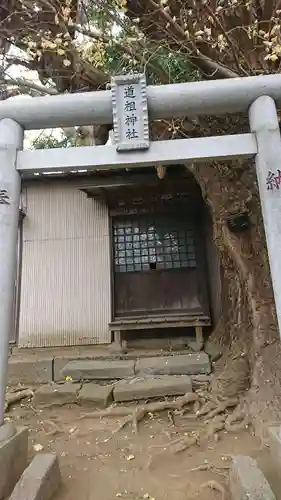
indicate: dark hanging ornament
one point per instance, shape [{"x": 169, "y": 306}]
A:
[{"x": 239, "y": 222}]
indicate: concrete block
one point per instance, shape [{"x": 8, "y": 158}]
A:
[
  {"x": 49, "y": 395},
  {"x": 40, "y": 480},
  {"x": 152, "y": 387},
  {"x": 274, "y": 434},
  {"x": 59, "y": 364},
  {"x": 7, "y": 431},
  {"x": 13, "y": 460},
  {"x": 99, "y": 369},
  {"x": 30, "y": 372},
  {"x": 186, "y": 364},
  {"x": 246, "y": 480},
  {"x": 95, "y": 395}
]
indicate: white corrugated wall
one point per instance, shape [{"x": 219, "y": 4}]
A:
[{"x": 66, "y": 293}]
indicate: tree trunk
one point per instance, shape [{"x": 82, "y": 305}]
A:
[{"x": 248, "y": 331}]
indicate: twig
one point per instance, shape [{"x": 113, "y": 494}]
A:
[
  {"x": 215, "y": 486},
  {"x": 209, "y": 467},
  {"x": 230, "y": 41},
  {"x": 167, "y": 433},
  {"x": 121, "y": 426},
  {"x": 137, "y": 416},
  {"x": 206, "y": 408},
  {"x": 185, "y": 443},
  {"x": 22, "y": 82},
  {"x": 171, "y": 417},
  {"x": 215, "y": 425},
  {"x": 114, "y": 411}
]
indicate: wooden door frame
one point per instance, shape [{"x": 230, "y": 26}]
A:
[{"x": 199, "y": 243}]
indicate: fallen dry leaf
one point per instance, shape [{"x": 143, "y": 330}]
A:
[{"x": 38, "y": 447}]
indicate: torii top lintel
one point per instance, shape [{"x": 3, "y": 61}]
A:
[{"x": 164, "y": 101}]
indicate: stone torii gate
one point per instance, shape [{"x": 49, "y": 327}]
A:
[{"x": 129, "y": 105}]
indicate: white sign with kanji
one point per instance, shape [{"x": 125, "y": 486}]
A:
[{"x": 130, "y": 115}]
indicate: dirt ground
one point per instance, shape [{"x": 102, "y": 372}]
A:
[{"x": 97, "y": 461}]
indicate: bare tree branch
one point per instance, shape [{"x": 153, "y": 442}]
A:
[
  {"x": 268, "y": 9},
  {"x": 17, "y": 61},
  {"x": 203, "y": 62},
  {"x": 22, "y": 82},
  {"x": 230, "y": 42}
]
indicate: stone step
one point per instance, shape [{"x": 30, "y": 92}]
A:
[
  {"x": 30, "y": 367},
  {"x": 56, "y": 394},
  {"x": 187, "y": 364},
  {"x": 89, "y": 394},
  {"x": 99, "y": 370},
  {"x": 152, "y": 387},
  {"x": 100, "y": 396}
]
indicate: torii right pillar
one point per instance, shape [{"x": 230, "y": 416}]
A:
[{"x": 265, "y": 124}]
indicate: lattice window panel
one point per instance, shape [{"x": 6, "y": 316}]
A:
[{"x": 152, "y": 242}]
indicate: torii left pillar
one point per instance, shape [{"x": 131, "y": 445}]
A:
[{"x": 11, "y": 140}]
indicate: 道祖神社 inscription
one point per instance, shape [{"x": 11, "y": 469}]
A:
[{"x": 130, "y": 115}]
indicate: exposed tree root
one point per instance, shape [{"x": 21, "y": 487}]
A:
[
  {"x": 217, "y": 420},
  {"x": 13, "y": 397},
  {"x": 216, "y": 469},
  {"x": 209, "y": 431},
  {"x": 206, "y": 409},
  {"x": 237, "y": 421},
  {"x": 223, "y": 405},
  {"x": 181, "y": 444},
  {"x": 114, "y": 411},
  {"x": 214, "y": 413},
  {"x": 17, "y": 388},
  {"x": 184, "y": 443},
  {"x": 137, "y": 413},
  {"x": 196, "y": 406},
  {"x": 214, "y": 485},
  {"x": 214, "y": 426}
]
